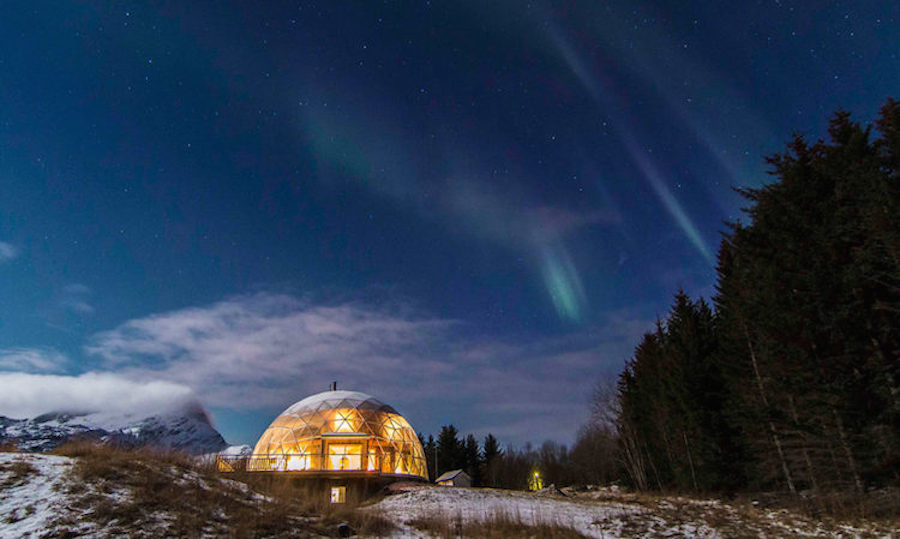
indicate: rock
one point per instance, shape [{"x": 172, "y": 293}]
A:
[
  {"x": 344, "y": 530},
  {"x": 551, "y": 491}
]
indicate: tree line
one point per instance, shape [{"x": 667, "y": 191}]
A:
[
  {"x": 491, "y": 465},
  {"x": 789, "y": 380},
  {"x": 786, "y": 381}
]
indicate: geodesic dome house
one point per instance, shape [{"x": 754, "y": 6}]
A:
[{"x": 338, "y": 434}]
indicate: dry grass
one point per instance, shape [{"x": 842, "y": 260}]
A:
[
  {"x": 146, "y": 492},
  {"x": 9, "y": 446},
  {"x": 363, "y": 523},
  {"x": 299, "y": 494},
  {"x": 497, "y": 526},
  {"x": 762, "y": 515},
  {"x": 16, "y": 473},
  {"x": 876, "y": 510},
  {"x": 153, "y": 493}
]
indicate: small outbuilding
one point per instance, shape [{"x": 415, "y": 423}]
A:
[{"x": 454, "y": 478}]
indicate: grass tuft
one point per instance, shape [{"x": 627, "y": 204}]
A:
[
  {"x": 16, "y": 472},
  {"x": 9, "y": 446},
  {"x": 497, "y": 526}
]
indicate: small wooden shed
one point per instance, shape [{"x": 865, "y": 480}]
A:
[{"x": 454, "y": 478}]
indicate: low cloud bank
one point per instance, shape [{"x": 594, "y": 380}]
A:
[
  {"x": 265, "y": 351},
  {"x": 28, "y": 395}
]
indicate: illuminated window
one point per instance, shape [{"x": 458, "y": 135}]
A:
[
  {"x": 344, "y": 457},
  {"x": 297, "y": 462},
  {"x": 338, "y": 494},
  {"x": 372, "y": 462}
]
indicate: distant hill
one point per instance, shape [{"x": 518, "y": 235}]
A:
[{"x": 186, "y": 428}]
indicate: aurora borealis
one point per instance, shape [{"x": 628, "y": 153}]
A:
[{"x": 467, "y": 198}]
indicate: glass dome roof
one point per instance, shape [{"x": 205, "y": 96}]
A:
[{"x": 340, "y": 431}]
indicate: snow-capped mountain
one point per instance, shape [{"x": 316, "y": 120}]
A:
[{"x": 185, "y": 428}]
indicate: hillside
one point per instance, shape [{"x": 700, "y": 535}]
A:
[
  {"x": 598, "y": 513},
  {"x": 103, "y": 492}
]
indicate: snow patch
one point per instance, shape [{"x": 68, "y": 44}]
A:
[
  {"x": 32, "y": 492},
  {"x": 479, "y": 505}
]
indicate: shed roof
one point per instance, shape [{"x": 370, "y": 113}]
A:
[{"x": 447, "y": 476}]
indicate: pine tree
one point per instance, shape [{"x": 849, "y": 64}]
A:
[
  {"x": 473, "y": 458},
  {"x": 793, "y": 381},
  {"x": 672, "y": 401},
  {"x": 430, "y": 449},
  {"x": 491, "y": 456},
  {"x": 450, "y": 450},
  {"x": 808, "y": 292}
]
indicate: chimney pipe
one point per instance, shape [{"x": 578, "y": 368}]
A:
[{"x": 334, "y": 386}]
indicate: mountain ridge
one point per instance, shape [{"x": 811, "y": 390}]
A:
[{"x": 186, "y": 428}]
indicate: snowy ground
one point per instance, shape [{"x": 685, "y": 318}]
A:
[
  {"x": 592, "y": 519},
  {"x": 46, "y": 495},
  {"x": 111, "y": 493},
  {"x": 32, "y": 493},
  {"x": 606, "y": 514}
]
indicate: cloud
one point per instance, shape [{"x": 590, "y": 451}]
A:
[
  {"x": 69, "y": 308},
  {"x": 265, "y": 351},
  {"x": 32, "y": 360},
  {"x": 27, "y": 395},
  {"x": 7, "y": 252},
  {"x": 74, "y": 299}
]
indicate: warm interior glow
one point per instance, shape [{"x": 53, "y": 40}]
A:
[
  {"x": 344, "y": 456},
  {"x": 340, "y": 435},
  {"x": 344, "y": 421},
  {"x": 392, "y": 428},
  {"x": 297, "y": 463}
]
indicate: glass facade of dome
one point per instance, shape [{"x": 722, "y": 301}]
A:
[{"x": 340, "y": 431}]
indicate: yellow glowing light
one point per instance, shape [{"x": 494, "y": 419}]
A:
[
  {"x": 344, "y": 421},
  {"x": 344, "y": 457},
  {"x": 535, "y": 481},
  {"x": 297, "y": 462},
  {"x": 344, "y": 437},
  {"x": 392, "y": 428}
]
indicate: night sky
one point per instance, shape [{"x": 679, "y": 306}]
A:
[{"x": 471, "y": 210}]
